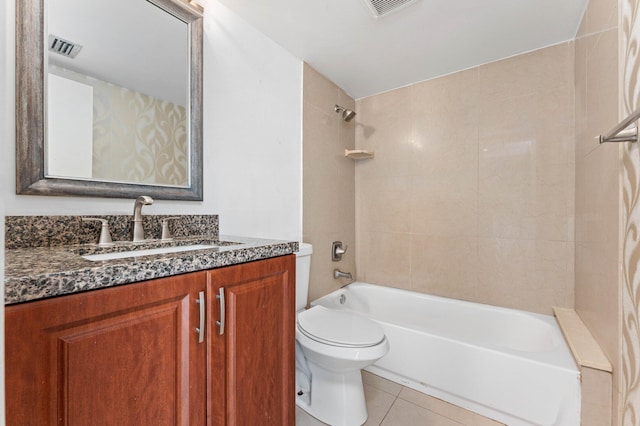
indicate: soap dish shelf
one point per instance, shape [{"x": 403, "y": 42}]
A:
[{"x": 358, "y": 154}]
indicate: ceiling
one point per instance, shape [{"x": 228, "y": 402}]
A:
[{"x": 363, "y": 55}]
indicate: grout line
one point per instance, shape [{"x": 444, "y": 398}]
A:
[{"x": 388, "y": 410}]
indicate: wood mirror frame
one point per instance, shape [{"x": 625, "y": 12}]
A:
[{"x": 30, "y": 113}]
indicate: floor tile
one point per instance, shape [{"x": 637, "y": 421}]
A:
[
  {"x": 304, "y": 419},
  {"x": 378, "y": 404},
  {"x": 403, "y": 413},
  {"x": 391, "y": 404},
  {"x": 378, "y": 382},
  {"x": 453, "y": 412}
]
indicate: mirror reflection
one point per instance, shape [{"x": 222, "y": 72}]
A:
[{"x": 117, "y": 93}]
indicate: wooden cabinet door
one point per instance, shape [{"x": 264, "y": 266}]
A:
[
  {"x": 125, "y": 355},
  {"x": 251, "y": 367}
]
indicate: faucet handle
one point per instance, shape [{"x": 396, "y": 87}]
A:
[
  {"x": 105, "y": 235},
  {"x": 337, "y": 250},
  {"x": 166, "y": 232}
]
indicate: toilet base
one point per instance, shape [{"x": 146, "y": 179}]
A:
[{"x": 336, "y": 398}]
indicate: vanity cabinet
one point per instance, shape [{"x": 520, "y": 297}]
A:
[
  {"x": 126, "y": 355},
  {"x": 132, "y": 355},
  {"x": 251, "y": 348}
]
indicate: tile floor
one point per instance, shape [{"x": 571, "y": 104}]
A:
[{"x": 391, "y": 404}]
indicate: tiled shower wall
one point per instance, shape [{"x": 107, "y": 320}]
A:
[
  {"x": 629, "y": 371},
  {"x": 328, "y": 180},
  {"x": 597, "y": 177},
  {"x": 470, "y": 194}
]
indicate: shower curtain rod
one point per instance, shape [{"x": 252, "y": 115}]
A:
[{"x": 620, "y": 133}]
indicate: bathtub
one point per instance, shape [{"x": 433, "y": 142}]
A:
[{"x": 508, "y": 365}]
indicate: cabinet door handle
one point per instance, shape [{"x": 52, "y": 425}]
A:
[
  {"x": 220, "y": 297},
  {"x": 200, "y": 330}
]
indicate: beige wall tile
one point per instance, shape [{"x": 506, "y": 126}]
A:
[
  {"x": 440, "y": 207},
  {"x": 537, "y": 207},
  {"x": 445, "y": 266},
  {"x": 384, "y": 126},
  {"x": 524, "y": 274},
  {"x": 601, "y": 90},
  {"x": 345, "y": 100},
  {"x": 583, "y": 145},
  {"x": 322, "y": 266},
  {"x": 571, "y": 275},
  {"x": 597, "y": 195},
  {"x": 596, "y": 182},
  {"x": 487, "y": 152},
  {"x": 383, "y": 204},
  {"x": 525, "y": 171},
  {"x": 602, "y": 15},
  {"x": 545, "y": 118},
  {"x": 319, "y": 90},
  {"x": 444, "y": 113},
  {"x": 596, "y": 298},
  {"x": 443, "y": 149},
  {"x": 328, "y": 181},
  {"x": 525, "y": 74},
  {"x": 596, "y": 397},
  {"x": 384, "y": 258},
  {"x": 451, "y": 96},
  {"x": 596, "y": 251}
]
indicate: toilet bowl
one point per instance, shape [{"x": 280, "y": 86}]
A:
[
  {"x": 335, "y": 345},
  {"x": 339, "y": 340}
]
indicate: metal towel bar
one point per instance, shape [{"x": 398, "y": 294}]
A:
[{"x": 620, "y": 133}]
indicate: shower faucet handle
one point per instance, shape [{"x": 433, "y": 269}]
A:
[{"x": 337, "y": 251}]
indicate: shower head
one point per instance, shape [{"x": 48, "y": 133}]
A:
[{"x": 347, "y": 114}]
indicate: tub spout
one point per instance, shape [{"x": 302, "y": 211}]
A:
[{"x": 339, "y": 274}]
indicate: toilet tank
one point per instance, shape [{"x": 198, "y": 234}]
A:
[{"x": 303, "y": 267}]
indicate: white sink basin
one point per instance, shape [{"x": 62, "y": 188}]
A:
[{"x": 147, "y": 252}]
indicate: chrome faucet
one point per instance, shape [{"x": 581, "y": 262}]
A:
[
  {"x": 339, "y": 274},
  {"x": 138, "y": 229}
]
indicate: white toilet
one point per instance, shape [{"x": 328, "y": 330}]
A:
[{"x": 332, "y": 347}]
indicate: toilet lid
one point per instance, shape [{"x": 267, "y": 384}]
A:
[{"x": 339, "y": 327}]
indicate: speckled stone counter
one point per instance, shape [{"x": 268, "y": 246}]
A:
[
  {"x": 33, "y": 273},
  {"x": 52, "y": 231}
]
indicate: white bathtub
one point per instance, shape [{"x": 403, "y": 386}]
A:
[{"x": 508, "y": 365}]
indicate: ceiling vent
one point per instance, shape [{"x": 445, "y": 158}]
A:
[
  {"x": 63, "y": 47},
  {"x": 381, "y": 8}
]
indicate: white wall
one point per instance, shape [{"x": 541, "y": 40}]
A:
[
  {"x": 252, "y": 140},
  {"x": 6, "y": 138},
  {"x": 70, "y": 118},
  {"x": 252, "y": 136},
  {"x": 253, "y": 100}
]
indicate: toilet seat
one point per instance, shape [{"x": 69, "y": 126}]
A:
[{"x": 339, "y": 328}]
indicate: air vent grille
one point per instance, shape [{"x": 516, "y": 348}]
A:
[
  {"x": 381, "y": 8},
  {"x": 63, "y": 47}
]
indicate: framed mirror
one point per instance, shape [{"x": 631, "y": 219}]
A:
[{"x": 109, "y": 98}]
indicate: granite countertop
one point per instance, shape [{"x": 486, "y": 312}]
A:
[{"x": 34, "y": 273}]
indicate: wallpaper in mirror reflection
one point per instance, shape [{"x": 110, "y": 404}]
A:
[{"x": 100, "y": 131}]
